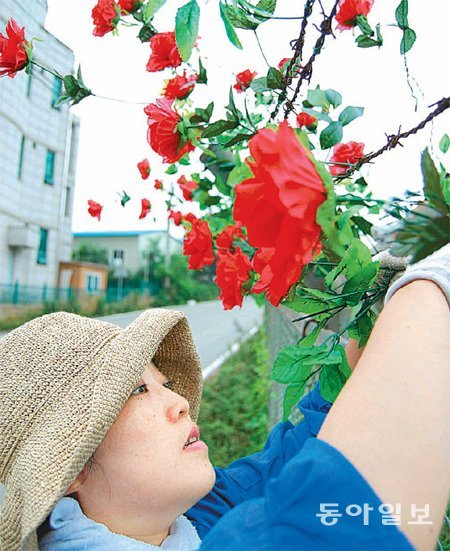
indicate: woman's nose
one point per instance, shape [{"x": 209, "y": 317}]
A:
[{"x": 179, "y": 407}]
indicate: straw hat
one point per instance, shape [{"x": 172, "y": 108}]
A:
[{"x": 64, "y": 379}]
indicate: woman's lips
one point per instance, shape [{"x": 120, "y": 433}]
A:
[{"x": 196, "y": 446}]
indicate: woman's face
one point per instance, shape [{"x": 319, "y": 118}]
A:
[{"x": 147, "y": 477}]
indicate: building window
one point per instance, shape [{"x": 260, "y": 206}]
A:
[
  {"x": 57, "y": 88},
  {"x": 118, "y": 254},
  {"x": 68, "y": 201},
  {"x": 30, "y": 78},
  {"x": 93, "y": 282},
  {"x": 21, "y": 152},
  {"x": 42, "y": 251},
  {"x": 50, "y": 167}
]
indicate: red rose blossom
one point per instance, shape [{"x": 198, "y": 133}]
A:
[
  {"x": 243, "y": 80},
  {"x": 128, "y": 5},
  {"x": 282, "y": 62},
  {"x": 349, "y": 9},
  {"x": 197, "y": 244},
  {"x": 95, "y": 209},
  {"x": 225, "y": 238},
  {"x": 158, "y": 184},
  {"x": 106, "y": 15},
  {"x": 187, "y": 187},
  {"x": 345, "y": 153},
  {"x": 163, "y": 136},
  {"x": 13, "y": 56},
  {"x": 176, "y": 216},
  {"x": 278, "y": 206},
  {"x": 144, "y": 169},
  {"x": 145, "y": 208},
  {"x": 232, "y": 272},
  {"x": 304, "y": 119},
  {"x": 164, "y": 52},
  {"x": 180, "y": 86}
]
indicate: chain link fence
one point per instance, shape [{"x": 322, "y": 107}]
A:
[{"x": 283, "y": 332}]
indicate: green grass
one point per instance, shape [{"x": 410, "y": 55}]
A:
[{"x": 234, "y": 413}]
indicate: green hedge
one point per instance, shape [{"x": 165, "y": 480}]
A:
[{"x": 234, "y": 413}]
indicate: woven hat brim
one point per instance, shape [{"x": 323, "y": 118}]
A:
[{"x": 56, "y": 452}]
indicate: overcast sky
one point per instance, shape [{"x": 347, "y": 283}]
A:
[{"x": 113, "y": 134}]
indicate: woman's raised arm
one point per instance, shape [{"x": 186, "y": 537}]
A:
[{"x": 391, "y": 419}]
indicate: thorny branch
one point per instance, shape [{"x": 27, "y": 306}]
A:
[{"x": 394, "y": 139}]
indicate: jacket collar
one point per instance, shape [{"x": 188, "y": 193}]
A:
[{"x": 68, "y": 529}]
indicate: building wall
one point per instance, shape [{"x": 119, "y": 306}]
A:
[{"x": 27, "y": 117}]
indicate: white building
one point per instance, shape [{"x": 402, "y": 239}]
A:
[
  {"x": 38, "y": 150},
  {"x": 128, "y": 248}
]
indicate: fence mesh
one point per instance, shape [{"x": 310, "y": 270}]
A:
[{"x": 282, "y": 332}]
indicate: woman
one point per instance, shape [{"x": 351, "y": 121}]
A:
[{"x": 99, "y": 447}]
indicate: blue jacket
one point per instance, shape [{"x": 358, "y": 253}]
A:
[{"x": 269, "y": 500}]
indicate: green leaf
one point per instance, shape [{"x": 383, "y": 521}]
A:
[
  {"x": 333, "y": 97},
  {"x": 145, "y": 33},
  {"x": 231, "y": 33},
  {"x": 401, "y": 14},
  {"x": 409, "y": 37},
  {"x": 232, "y": 106},
  {"x": 355, "y": 258},
  {"x": 334, "y": 375},
  {"x": 267, "y": 6},
  {"x": 240, "y": 19},
  {"x": 432, "y": 183},
  {"x": 361, "y": 281},
  {"x": 239, "y": 138},
  {"x": 173, "y": 169},
  {"x": 151, "y": 8},
  {"x": 259, "y": 85},
  {"x": 364, "y": 225},
  {"x": 364, "y": 41},
  {"x": 218, "y": 127},
  {"x": 71, "y": 85},
  {"x": 363, "y": 24},
  {"x": 274, "y": 79},
  {"x": 292, "y": 395},
  {"x": 310, "y": 301},
  {"x": 331, "y": 135},
  {"x": 349, "y": 114},
  {"x": 362, "y": 328},
  {"x": 294, "y": 364},
  {"x": 186, "y": 28},
  {"x": 239, "y": 174},
  {"x": 444, "y": 143},
  {"x": 317, "y": 98},
  {"x": 202, "y": 77}
]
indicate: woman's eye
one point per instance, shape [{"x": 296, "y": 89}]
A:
[
  {"x": 169, "y": 385},
  {"x": 138, "y": 388}
]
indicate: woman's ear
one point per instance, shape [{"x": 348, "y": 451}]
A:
[{"x": 74, "y": 486}]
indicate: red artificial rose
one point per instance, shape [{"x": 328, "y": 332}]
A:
[
  {"x": 95, "y": 209},
  {"x": 232, "y": 272},
  {"x": 13, "y": 56},
  {"x": 278, "y": 206},
  {"x": 145, "y": 208},
  {"x": 187, "y": 187},
  {"x": 243, "y": 80},
  {"x": 345, "y": 153},
  {"x": 349, "y": 9},
  {"x": 282, "y": 62},
  {"x": 176, "y": 216},
  {"x": 197, "y": 244},
  {"x": 162, "y": 135},
  {"x": 180, "y": 86},
  {"x": 106, "y": 15},
  {"x": 164, "y": 52},
  {"x": 128, "y": 5},
  {"x": 225, "y": 238},
  {"x": 144, "y": 169},
  {"x": 158, "y": 184},
  {"x": 304, "y": 119}
]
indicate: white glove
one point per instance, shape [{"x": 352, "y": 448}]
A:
[{"x": 435, "y": 267}]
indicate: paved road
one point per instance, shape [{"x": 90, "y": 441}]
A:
[{"x": 216, "y": 331}]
